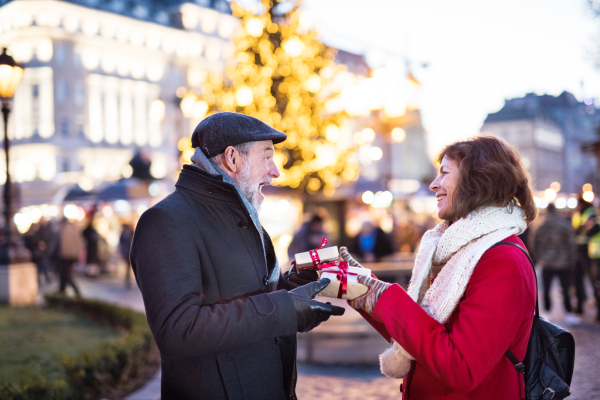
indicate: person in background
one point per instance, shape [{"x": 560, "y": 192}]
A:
[
  {"x": 91, "y": 236},
  {"x": 371, "y": 243},
  {"x": 308, "y": 237},
  {"x": 586, "y": 227},
  {"x": 43, "y": 238},
  {"x": 555, "y": 250},
  {"x": 67, "y": 249},
  {"x": 124, "y": 249}
]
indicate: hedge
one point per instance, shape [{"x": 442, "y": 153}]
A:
[{"x": 113, "y": 370}]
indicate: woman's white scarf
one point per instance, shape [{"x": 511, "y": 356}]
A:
[{"x": 458, "y": 247}]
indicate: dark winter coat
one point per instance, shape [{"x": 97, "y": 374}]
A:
[
  {"x": 382, "y": 247},
  {"x": 223, "y": 329},
  {"x": 91, "y": 237},
  {"x": 555, "y": 244}
]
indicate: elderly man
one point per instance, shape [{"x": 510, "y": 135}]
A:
[{"x": 216, "y": 302}]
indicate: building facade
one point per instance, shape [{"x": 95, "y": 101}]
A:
[
  {"x": 100, "y": 84},
  {"x": 549, "y": 132}
]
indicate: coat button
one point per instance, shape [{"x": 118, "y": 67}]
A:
[
  {"x": 210, "y": 190},
  {"x": 243, "y": 224},
  {"x": 265, "y": 280},
  {"x": 277, "y": 340}
]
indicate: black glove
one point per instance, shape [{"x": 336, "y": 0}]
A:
[
  {"x": 294, "y": 278},
  {"x": 310, "y": 313}
]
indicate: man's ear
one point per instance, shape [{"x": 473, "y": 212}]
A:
[{"x": 232, "y": 160}]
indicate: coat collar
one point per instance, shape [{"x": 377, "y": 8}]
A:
[{"x": 209, "y": 187}]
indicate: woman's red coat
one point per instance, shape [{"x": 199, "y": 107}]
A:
[{"x": 464, "y": 359}]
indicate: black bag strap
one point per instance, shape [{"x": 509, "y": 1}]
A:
[{"x": 519, "y": 366}]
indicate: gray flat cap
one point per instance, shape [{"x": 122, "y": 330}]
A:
[{"x": 215, "y": 133}]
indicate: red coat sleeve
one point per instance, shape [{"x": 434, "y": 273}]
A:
[
  {"x": 378, "y": 326},
  {"x": 500, "y": 296}
]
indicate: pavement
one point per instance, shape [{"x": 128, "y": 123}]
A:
[{"x": 323, "y": 374}]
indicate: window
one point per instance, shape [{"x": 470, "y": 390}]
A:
[
  {"x": 60, "y": 53},
  {"x": 65, "y": 165},
  {"x": 77, "y": 60},
  {"x": 79, "y": 94},
  {"x": 64, "y": 128},
  {"x": 80, "y": 131},
  {"x": 35, "y": 91},
  {"x": 62, "y": 91}
]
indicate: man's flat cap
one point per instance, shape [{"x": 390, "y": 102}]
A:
[{"x": 215, "y": 133}]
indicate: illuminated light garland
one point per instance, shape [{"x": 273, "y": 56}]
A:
[{"x": 280, "y": 74}]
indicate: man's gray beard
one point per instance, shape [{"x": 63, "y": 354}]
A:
[{"x": 248, "y": 188}]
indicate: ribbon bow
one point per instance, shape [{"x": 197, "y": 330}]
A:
[
  {"x": 314, "y": 255},
  {"x": 339, "y": 268},
  {"x": 341, "y": 272}
]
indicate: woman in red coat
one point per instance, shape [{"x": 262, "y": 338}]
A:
[{"x": 466, "y": 303}]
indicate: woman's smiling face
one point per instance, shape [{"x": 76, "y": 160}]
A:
[{"x": 444, "y": 187}]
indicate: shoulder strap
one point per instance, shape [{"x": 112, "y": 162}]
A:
[
  {"x": 537, "y": 306},
  {"x": 519, "y": 366}
]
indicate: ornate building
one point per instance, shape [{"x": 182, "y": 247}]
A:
[
  {"x": 100, "y": 84},
  {"x": 549, "y": 132}
]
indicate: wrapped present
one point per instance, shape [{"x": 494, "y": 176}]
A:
[
  {"x": 318, "y": 257},
  {"x": 326, "y": 261},
  {"x": 314, "y": 258},
  {"x": 344, "y": 284}
]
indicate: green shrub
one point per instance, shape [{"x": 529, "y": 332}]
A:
[
  {"x": 39, "y": 389},
  {"x": 114, "y": 369}
]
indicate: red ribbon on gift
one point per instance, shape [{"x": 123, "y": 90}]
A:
[
  {"x": 341, "y": 271},
  {"x": 314, "y": 255},
  {"x": 337, "y": 267}
]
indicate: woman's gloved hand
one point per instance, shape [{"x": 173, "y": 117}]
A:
[
  {"x": 345, "y": 255},
  {"x": 368, "y": 300}
]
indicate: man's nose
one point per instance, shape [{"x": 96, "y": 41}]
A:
[{"x": 273, "y": 171}]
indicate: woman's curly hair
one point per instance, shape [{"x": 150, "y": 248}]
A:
[{"x": 490, "y": 174}]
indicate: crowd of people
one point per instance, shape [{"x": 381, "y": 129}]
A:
[
  {"x": 58, "y": 247},
  {"x": 566, "y": 247},
  {"x": 370, "y": 244}
]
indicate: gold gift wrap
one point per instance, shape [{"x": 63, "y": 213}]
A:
[
  {"x": 326, "y": 255},
  {"x": 353, "y": 288}
]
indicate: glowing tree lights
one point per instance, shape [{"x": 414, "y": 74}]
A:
[{"x": 280, "y": 74}]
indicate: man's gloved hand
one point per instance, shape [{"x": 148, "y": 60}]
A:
[
  {"x": 311, "y": 313},
  {"x": 294, "y": 278}
]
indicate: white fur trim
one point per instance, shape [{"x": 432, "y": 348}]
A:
[{"x": 395, "y": 362}]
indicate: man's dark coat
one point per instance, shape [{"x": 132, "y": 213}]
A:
[{"x": 223, "y": 329}]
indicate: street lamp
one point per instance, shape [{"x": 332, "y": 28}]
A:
[{"x": 10, "y": 77}]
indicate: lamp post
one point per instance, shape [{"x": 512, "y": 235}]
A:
[{"x": 10, "y": 77}]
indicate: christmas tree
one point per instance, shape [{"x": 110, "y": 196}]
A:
[{"x": 280, "y": 73}]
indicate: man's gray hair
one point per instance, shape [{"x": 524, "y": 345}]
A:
[{"x": 242, "y": 148}]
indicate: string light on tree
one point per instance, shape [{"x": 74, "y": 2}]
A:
[{"x": 279, "y": 74}]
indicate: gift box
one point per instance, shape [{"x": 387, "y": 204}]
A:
[
  {"x": 346, "y": 277},
  {"x": 312, "y": 259},
  {"x": 326, "y": 261}
]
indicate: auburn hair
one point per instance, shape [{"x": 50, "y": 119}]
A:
[{"x": 490, "y": 174}]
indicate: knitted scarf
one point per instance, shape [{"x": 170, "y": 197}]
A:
[{"x": 456, "y": 248}]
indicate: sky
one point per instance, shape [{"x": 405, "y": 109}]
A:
[{"x": 478, "y": 52}]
